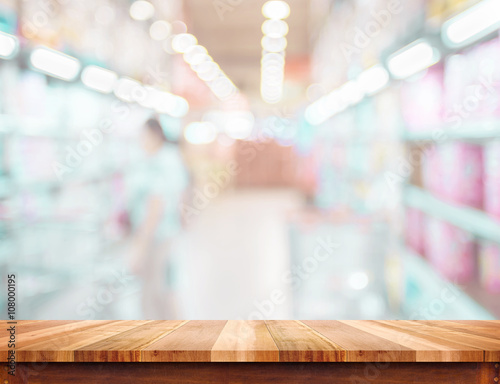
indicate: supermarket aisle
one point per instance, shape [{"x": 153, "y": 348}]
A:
[{"x": 235, "y": 255}]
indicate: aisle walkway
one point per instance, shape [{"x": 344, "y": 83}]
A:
[{"x": 236, "y": 254}]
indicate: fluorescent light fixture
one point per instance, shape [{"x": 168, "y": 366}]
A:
[
  {"x": 200, "y": 132},
  {"x": 55, "y": 63},
  {"x": 9, "y": 45},
  {"x": 472, "y": 24},
  {"x": 239, "y": 125},
  {"x": 351, "y": 93},
  {"x": 276, "y": 9},
  {"x": 172, "y": 105},
  {"x": 100, "y": 79},
  {"x": 160, "y": 30},
  {"x": 275, "y": 28},
  {"x": 129, "y": 90},
  {"x": 373, "y": 79},
  {"x": 412, "y": 59},
  {"x": 142, "y": 10},
  {"x": 182, "y": 42}
]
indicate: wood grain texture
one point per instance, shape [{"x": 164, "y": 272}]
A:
[
  {"x": 245, "y": 341},
  {"x": 491, "y": 347},
  {"x": 256, "y": 341},
  {"x": 60, "y": 348},
  {"x": 126, "y": 346},
  {"x": 360, "y": 345},
  {"x": 256, "y": 373},
  {"x": 300, "y": 343},
  {"x": 191, "y": 342},
  {"x": 30, "y": 334},
  {"x": 427, "y": 348},
  {"x": 472, "y": 327}
]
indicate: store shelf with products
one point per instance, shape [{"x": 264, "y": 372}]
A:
[
  {"x": 471, "y": 220},
  {"x": 478, "y": 131},
  {"x": 427, "y": 295}
]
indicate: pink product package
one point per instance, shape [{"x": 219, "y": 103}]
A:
[
  {"x": 422, "y": 100},
  {"x": 415, "y": 230},
  {"x": 432, "y": 171},
  {"x": 489, "y": 264},
  {"x": 472, "y": 84},
  {"x": 459, "y": 176},
  {"x": 492, "y": 179},
  {"x": 450, "y": 250}
]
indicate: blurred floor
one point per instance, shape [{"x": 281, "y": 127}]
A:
[
  {"x": 226, "y": 266},
  {"x": 236, "y": 253}
]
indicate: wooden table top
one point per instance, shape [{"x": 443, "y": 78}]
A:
[{"x": 254, "y": 341}]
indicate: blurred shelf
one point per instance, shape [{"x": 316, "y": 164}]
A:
[
  {"x": 469, "y": 219},
  {"x": 468, "y": 131},
  {"x": 471, "y": 301}
]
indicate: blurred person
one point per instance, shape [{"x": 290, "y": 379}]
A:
[{"x": 156, "y": 186}]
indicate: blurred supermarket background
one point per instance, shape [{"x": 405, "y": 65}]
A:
[{"x": 341, "y": 158}]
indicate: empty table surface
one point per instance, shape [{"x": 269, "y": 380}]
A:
[{"x": 253, "y": 341}]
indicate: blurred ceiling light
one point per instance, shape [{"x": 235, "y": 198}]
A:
[
  {"x": 222, "y": 87},
  {"x": 152, "y": 98},
  {"x": 9, "y": 45},
  {"x": 412, "y": 59},
  {"x": 274, "y": 44},
  {"x": 207, "y": 70},
  {"x": 129, "y": 90},
  {"x": 472, "y": 24},
  {"x": 373, "y": 79},
  {"x": 197, "y": 54},
  {"x": 239, "y": 125},
  {"x": 275, "y": 28},
  {"x": 179, "y": 26},
  {"x": 199, "y": 133},
  {"x": 182, "y": 42},
  {"x": 325, "y": 107},
  {"x": 55, "y": 63},
  {"x": 272, "y": 76},
  {"x": 160, "y": 30},
  {"x": 142, "y": 10},
  {"x": 276, "y": 9},
  {"x": 358, "y": 280},
  {"x": 174, "y": 105},
  {"x": 351, "y": 93},
  {"x": 100, "y": 79}
]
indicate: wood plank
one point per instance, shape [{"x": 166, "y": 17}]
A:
[
  {"x": 256, "y": 373},
  {"x": 245, "y": 341},
  {"x": 428, "y": 348},
  {"x": 473, "y": 328},
  {"x": 362, "y": 346},
  {"x": 191, "y": 342},
  {"x": 491, "y": 347},
  {"x": 126, "y": 346},
  {"x": 61, "y": 348},
  {"x": 38, "y": 333},
  {"x": 300, "y": 343}
]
